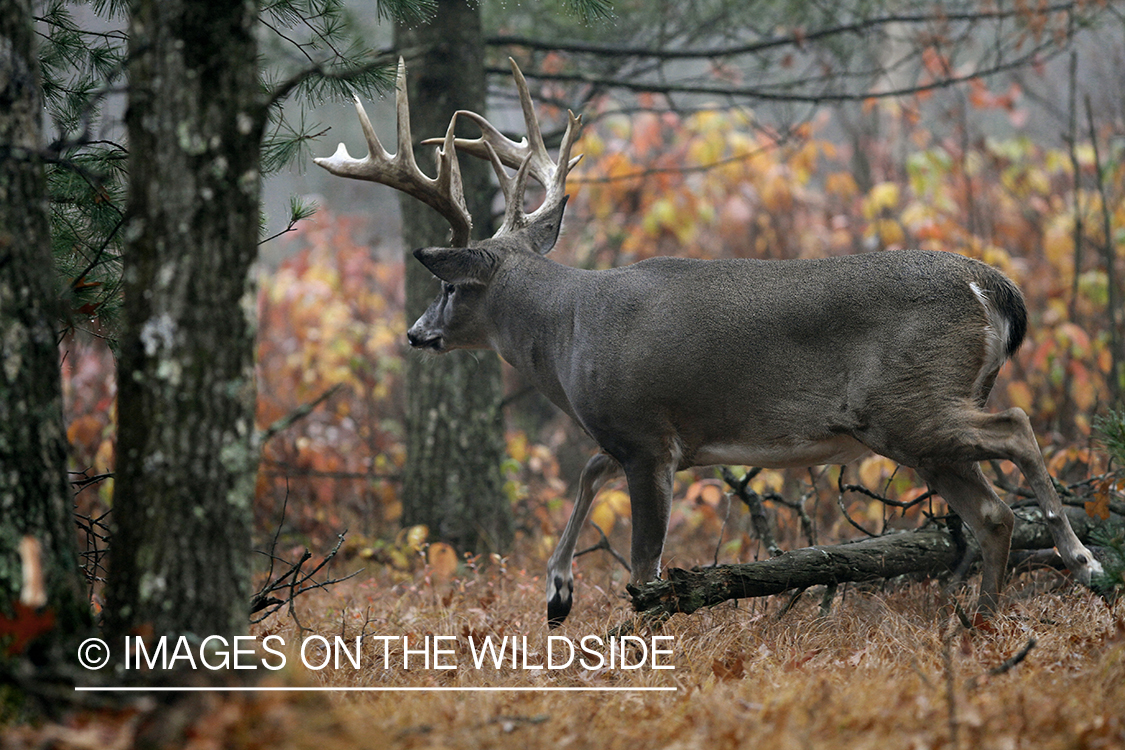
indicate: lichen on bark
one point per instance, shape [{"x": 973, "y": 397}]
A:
[{"x": 186, "y": 452}]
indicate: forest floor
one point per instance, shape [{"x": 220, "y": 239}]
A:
[{"x": 887, "y": 667}]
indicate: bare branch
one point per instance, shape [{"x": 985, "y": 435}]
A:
[
  {"x": 604, "y": 544},
  {"x": 297, "y": 414},
  {"x": 797, "y": 38},
  {"x": 753, "y": 500},
  {"x": 777, "y": 94}
]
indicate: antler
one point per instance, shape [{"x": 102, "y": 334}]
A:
[
  {"x": 529, "y": 157},
  {"x": 443, "y": 193}
]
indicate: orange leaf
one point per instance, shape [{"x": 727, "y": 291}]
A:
[
  {"x": 443, "y": 561},
  {"x": 1099, "y": 506},
  {"x": 731, "y": 668}
]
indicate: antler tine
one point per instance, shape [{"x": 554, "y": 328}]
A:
[
  {"x": 401, "y": 172},
  {"x": 529, "y": 157},
  {"x": 566, "y": 163},
  {"x": 534, "y": 134},
  {"x": 449, "y": 171},
  {"x": 514, "y": 216},
  {"x": 405, "y": 149}
]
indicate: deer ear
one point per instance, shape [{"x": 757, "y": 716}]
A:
[
  {"x": 458, "y": 265},
  {"x": 544, "y": 231}
]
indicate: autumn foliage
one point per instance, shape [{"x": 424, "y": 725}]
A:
[
  {"x": 714, "y": 183},
  {"x": 331, "y": 318}
]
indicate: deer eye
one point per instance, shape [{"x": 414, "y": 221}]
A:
[{"x": 447, "y": 288}]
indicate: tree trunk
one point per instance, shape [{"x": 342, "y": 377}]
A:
[
  {"x": 186, "y": 452},
  {"x": 34, "y": 497},
  {"x": 455, "y": 441},
  {"x": 927, "y": 552}
]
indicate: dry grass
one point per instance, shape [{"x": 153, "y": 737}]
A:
[{"x": 883, "y": 669}]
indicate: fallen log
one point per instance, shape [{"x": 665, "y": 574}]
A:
[{"x": 931, "y": 551}]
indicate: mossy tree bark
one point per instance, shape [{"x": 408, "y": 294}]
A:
[
  {"x": 186, "y": 448},
  {"x": 455, "y": 444},
  {"x": 34, "y": 497}
]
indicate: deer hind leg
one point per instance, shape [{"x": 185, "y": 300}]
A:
[
  {"x": 991, "y": 521},
  {"x": 1009, "y": 435},
  {"x": 560, "y": 577}
]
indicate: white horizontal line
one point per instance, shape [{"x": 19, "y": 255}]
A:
[{"x": 229, "y": 689}]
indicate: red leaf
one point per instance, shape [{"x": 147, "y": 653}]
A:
[{"x": 27, "y": 625}]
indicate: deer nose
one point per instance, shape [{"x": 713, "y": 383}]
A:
[{"x": 420, "y": 338}]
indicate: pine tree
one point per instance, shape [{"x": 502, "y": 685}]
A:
[{"x": 34, "y": 498}]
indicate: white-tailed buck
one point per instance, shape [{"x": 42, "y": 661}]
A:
[{"x": 671, "y": 362}]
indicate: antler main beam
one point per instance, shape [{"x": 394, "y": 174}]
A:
[{"x": 401, "y": 172}]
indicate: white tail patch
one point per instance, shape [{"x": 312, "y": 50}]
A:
[{"x": 996, "y": 334}]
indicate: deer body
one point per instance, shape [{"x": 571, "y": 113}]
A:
[
  {"x": 762, "y": 363},
  {"x": 671, "y": 362}
]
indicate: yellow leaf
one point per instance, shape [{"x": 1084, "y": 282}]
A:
[
  {"x": 104, "y": 459},
  {"x": 841, "y": 184},
  {"x": 398, "y": 559},
  {"x": 890, "y": 232},
  {"x": 1019, "y": 394},
  {"x": 770, "y": 480},
  {"x": 592, "y": 145},
  {"x": 517, "y": 447},
  {"x": 874, "y": 470},
  {"x": 415, "y": 537},
  {"x": 874, "y": 512},
  {"x": 603, "y": 517},
  {"x": 392, "y": 510},
  {"x": 883, "y": 196},
  {"x": 617, "y": 500}
]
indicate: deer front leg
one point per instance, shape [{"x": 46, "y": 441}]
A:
[
  {"x": 560, "y": 577},
  {"x": 650, "y": 497}
]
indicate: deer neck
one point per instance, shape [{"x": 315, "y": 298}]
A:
[{"x": 531, "y": 304}]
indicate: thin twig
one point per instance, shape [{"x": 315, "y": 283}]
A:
[
  {"x": 604, "y": 544},
  {"x": 973, "y": 682},
  {"x": 790, "y": 602},
  {"x": 843, "y": 510},
  {"x": 1110, "y": 261},
  {"x": 754, "y": 502},
  {"x": 297, "y": 414},
  {"x": 1013, "y": 660},
  {"x": 882, "y": 498},
  {"x": 723, "y": 530}
]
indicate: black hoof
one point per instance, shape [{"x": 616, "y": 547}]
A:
[
  {"x": 557, "y": 610},
  {"x": 557, "y": 607}
]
